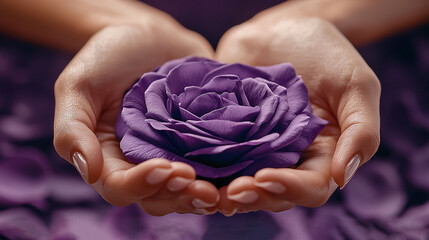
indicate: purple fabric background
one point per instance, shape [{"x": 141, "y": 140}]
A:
[{"x": 43, "y": 197}]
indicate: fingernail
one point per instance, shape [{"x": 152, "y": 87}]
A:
[
  {"x": 202, "y": 211},
  {"x": 230, "y": 214},
  {"x": 158, "y": 175},
  {"x": 273, "y": 187},
  {"x": 80, "y": 164},
  {"x": 244, "y": 197},
  {"x": 351, "y": 168},
  {"x": 198, "y": 203},
  {"x": 178, "y": 184}
]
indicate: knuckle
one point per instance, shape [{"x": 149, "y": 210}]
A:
[{"x": 244, "y": 39}]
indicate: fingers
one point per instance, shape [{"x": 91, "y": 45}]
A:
[
  {"x": 157, "y": 185},
  {"x": 199, "y": 197},
  {"x": 359, "y": 121},
  {"x": 74, "y": 138},
  {"x": 243, "y": 196},
  {"x": 309, "y": 185}
]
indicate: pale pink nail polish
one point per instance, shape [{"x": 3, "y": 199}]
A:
[
  {"x": 198, "y": 203},
  {"x": 245, "y": 197},
  {"x": 202, "y": 211},
  {"x": 158, "y": 175},
  {"x": 80, "y": 164},
  {"x": 178, "y": 184},
  {"x": 234, "y": 211},
  {"x": 351, "y": 168},
  {"x": 273, "y": 187}
]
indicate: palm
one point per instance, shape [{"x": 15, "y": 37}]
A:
[
  {"x": 89, "y": 96},
  {"x": 337, "y": 79}
]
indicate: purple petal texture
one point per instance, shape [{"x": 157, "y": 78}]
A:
[
  {"x": 188, "y": 74},
  {"x": 20, "y": 223},
  {"x": 234, "y": 131},
  {"x": 378, "y": 187},
  {"x": 233, "y": 113},
  {"x": 24, "y": 176},
  {"x": 224, "y": 116},
  {"x": 332, "y": 222},
  {"x": 419, "y": 167},
  {"x": 135, "y": 148},
  {"x": 80, "y": 224}
]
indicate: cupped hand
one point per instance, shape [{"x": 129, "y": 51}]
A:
[
  {"x": 88, "y": 97},
  {"x": 342, "y": 89}
]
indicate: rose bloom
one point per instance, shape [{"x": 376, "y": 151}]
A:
[{"x": 225, "y": 120}]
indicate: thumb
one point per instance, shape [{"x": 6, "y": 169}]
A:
[
  {"x": 74, "y": 137},
  {"x": 359, "y": 120}
]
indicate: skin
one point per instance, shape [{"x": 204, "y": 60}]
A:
[
  {"x": 342, "y": 88},
  {"x": 88, "y": 97}
]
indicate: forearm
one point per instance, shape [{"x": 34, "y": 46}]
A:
[
  {"x": 361, "y": 21},
  {"x": 66, "y": 24}
]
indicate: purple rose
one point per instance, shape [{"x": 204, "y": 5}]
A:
[{"x": 225, "y": 120}]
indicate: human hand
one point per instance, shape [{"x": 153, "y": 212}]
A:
[
  {"x": 88, "y": 98},
  {"x": 342, "y": 89}
]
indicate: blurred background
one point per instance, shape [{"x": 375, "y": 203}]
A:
[{"x": 44, "y": 197}]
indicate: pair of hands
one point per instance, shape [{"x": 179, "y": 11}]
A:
[{"x": 342, "y": 90}]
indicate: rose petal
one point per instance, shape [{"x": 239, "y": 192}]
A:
[
  {"x": 120, "y": 127},
  {"x": 256, "y": 91},
  {"x": 378, "y": 187},
  {"x": 134, "y": 101},
  {"x": 59, "y": 189},
  {"x": 266, "y": 122},
  {"x": 26, "y": 172},
  {"x": 234, "y": 113},
  {"x": 20, "y": 223},
  {"x": 277, "y": 159},
  {"x": 230, "y": 96},
  {"x": 186, "y": 115},
  {"x": 138, "y": 151},
  {"x": 297, "y": 98},
  {"x": 188, "y": 74},
  {"x": 168, "y": 66},
  {"x": 188, "y": 141},
  {"x": 332, "y": 222},
  {"x": 186, "y": 127},
  {"x": 224, "y": 155},
  {"x": 81, "y": 224},
  {"x": 310, "y": 132},
  {"x": 268, "y": 109},
  {"x": 288, "y": 136},
  {"x": 238, "y": 69},
  {"x": 177, "y": 111},
  {"x": 141, "y": 128},
  {"x": 282, "y": 74},
  {"x": 234, "y": 131},
  {"x": 207, "y": 102},
  {"x": 222, "y": 83},
  {"x": 156, "y": 98}
]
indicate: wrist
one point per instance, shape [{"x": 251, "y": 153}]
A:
[{"x": 361, "y": 21}]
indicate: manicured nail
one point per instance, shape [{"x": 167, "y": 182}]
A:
[
  {"x": 351, "y": 168},
  {"x": 273, "y": 187},
  {"x": 158, "y": 175},
  {"x": 230, "y": 214},
  {"x": 198, "y": 203},
  {"x": 245, "y": 197},
  {"x": 178, "y": 184},
  {"x": 202, "y": 211},
  {"x": 80, "y": 164}
]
